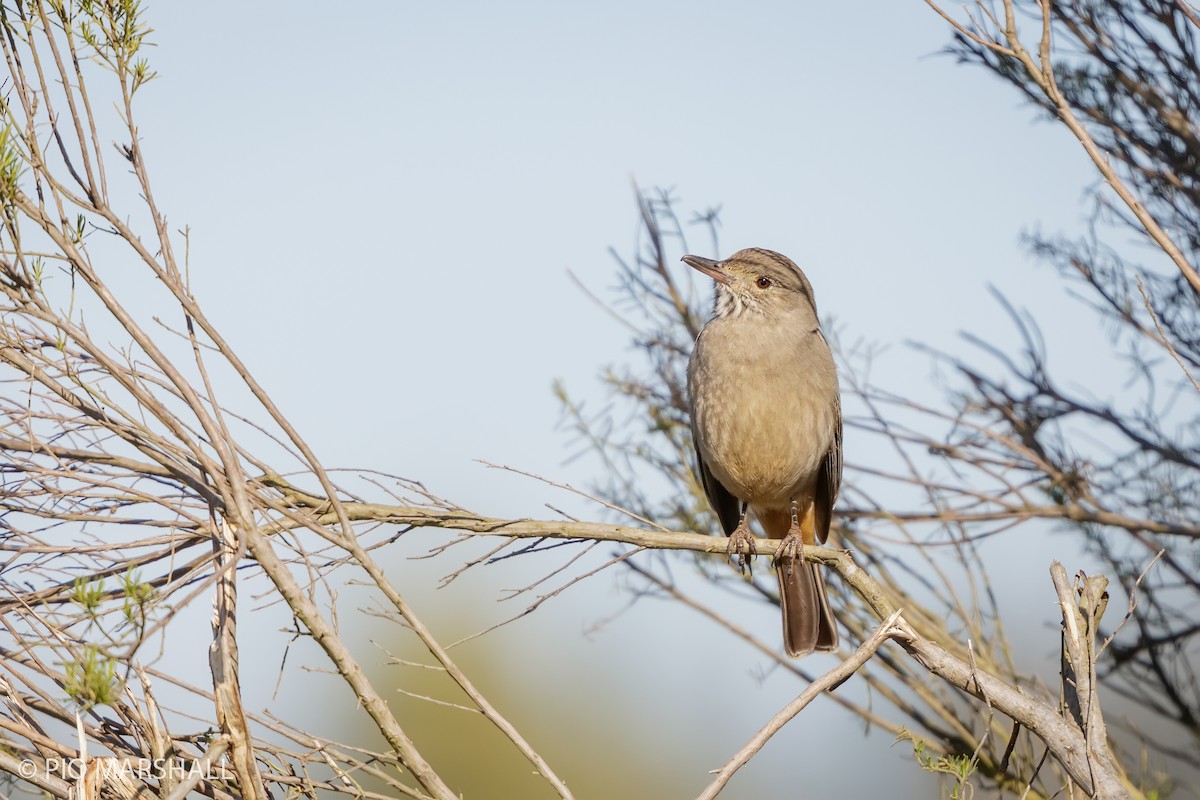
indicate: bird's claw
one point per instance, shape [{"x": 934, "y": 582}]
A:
[
  {"x": 741, "y": 545},
  {"x": 789, "y": 550}
]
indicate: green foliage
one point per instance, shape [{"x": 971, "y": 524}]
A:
[
  {"x": 39, "y": 271},
  {"x": 958, "y": 767},
  {"x": 138, "y": 595},
  {"x": 141, "y": 73},
  {"x": 77, "y": 233},
  {"x": 12, "y": 164},
  {"x": 88, "y": 595},
  {"x": 91, "y": 680},
  {"x": 115, "y": 31}
]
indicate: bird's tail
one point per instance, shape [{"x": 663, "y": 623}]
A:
[{"x": 807, "y": 621}]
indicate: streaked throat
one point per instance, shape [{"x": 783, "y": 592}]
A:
[{"x": 728, "y": 304}]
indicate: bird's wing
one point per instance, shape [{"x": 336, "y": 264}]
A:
[
  {"x": 829, "y": 478},
  {"x": 727, "y": 506}
]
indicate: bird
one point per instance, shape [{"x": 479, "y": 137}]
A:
[{"x": 766, "y": 422}]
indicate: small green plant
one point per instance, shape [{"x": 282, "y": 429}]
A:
[
  {"x": 91, "y": 680},
  {"x": 12, "y": 164},
  {"x": 137, "y": 596},
  {"x": 958, "y": 767},
  {"x": 88, "y": 595},
  {"x": 115, "y": 31}
]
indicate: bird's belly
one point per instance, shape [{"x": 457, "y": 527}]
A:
[{"x": 765, "y": 443}]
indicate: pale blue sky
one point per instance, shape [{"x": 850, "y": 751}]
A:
[
  {"x": 397, "y": 194},
  {"x": 385, "y": 199}
]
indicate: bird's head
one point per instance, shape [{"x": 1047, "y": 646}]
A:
[{"x": 757, "y": 281}]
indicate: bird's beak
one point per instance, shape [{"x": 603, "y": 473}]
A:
[{"x": 709, "y": 267}]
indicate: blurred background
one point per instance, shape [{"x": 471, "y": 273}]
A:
[{"x": 389, "y": 203}]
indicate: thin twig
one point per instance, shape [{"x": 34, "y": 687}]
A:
[{"x": 833, "y": 678}]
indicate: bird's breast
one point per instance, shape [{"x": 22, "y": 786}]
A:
[{"x": 763, "y": 412}]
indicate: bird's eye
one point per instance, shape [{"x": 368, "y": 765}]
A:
[{"x": 763, "y": 282}]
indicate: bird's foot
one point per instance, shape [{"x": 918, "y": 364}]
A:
[
  {"x": 790, "y": 548},
  {"x": 741, "y": 545}
]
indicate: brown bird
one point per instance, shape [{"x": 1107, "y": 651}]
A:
[{"x": 767, "y": 425}]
